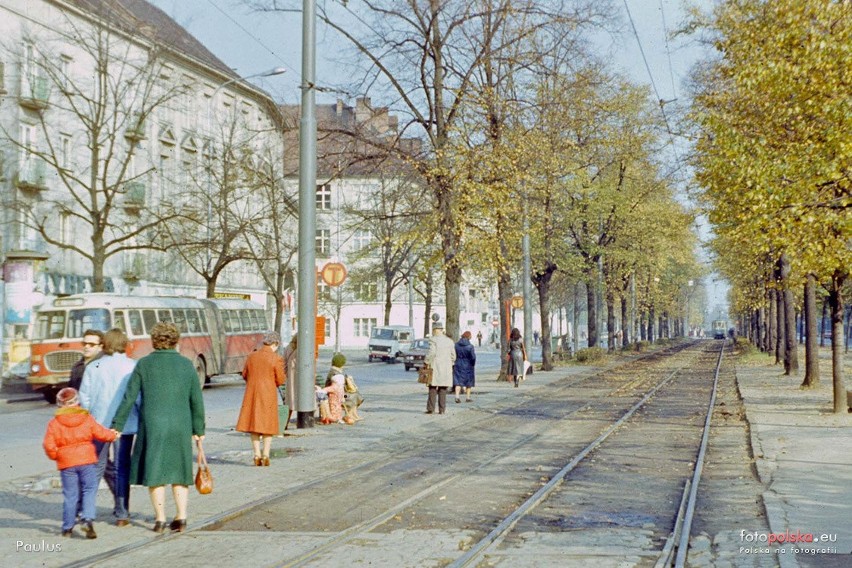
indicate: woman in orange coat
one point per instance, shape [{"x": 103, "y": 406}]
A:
[{"x": 263, "y": 374}]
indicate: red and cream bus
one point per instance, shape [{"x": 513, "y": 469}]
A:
[{"x": 216, "y": 335}]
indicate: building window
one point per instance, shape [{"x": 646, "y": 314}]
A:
[
  {"x": 64, "y": 157},
  {"x": 64, "y": 71},
  {"x": 366, "y": 292},
  {"x": 323, "y": 242},
  {"x": 363, "y": 326},
  {"x": 361, "y": 240},
  {"x": 324, "y": 197},
  {"x": 28, "y": 144},
  {"x": 66, "y": 228},
  {"x": 323, "y": 291}
]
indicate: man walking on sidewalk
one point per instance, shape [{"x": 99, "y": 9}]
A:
[{"x": 441, "y": 356}]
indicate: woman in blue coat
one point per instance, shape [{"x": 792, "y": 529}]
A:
[{"x": 463, "y": 373}]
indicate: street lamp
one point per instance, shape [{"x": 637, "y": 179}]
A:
[{"x": 210, "y": 104}]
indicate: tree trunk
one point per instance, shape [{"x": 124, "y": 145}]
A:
[
  {"x": 427, "y": 305},
  {"x": 791, "y": 352},
  {"x": 781, "y": 328},
  {"x": 625, "y": 329},
  {"x": 772, "y": 324},
  {"x": 835, "y": 298},
  {"x": 578, "y": 308},
  {"x": 592, "y": 312},
  {"x": 651, "y": 318},
  {"x": 643, "y": 330},
  {"x": 542, "y": 283},
  {"x": 811, "y": 349},
  {"x": 504, "y": 293},
  {"x": 388, "y": 302},
  {"x": 822, "y": 322},
  {"x": 610, "y": 321}
]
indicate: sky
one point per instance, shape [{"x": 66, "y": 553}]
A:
[{"x": 251, "y": 43}]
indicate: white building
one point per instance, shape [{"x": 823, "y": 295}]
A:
[
  {"x": 122, "y": 77},
  {"x": 359, "y": 191}
]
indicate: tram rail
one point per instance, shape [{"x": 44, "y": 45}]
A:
[{"x": 649, "y": 386}]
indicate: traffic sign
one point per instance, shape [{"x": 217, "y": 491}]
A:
[
  {"x": 333, "y": 273},
  {"x": 517, "y": 301}
]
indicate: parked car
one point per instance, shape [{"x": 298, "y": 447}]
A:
[{"x": 415, "y": 357}]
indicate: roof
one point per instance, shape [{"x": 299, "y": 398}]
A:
[{"x": 145, "y": 19}]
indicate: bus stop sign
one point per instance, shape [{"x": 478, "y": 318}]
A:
[{"x": 333, "y": 273}]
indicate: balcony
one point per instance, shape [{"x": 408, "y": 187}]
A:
[
  {"x": 32, "y": 176},
  {"x": 134, "y": 195},
  {"x": 35, "y": 93}
]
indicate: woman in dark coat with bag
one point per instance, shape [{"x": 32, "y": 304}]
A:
[
  {"x": 463, "y": 369},
  {"x": 263, "y": 374},
  {"x": 171, "y": 416}
]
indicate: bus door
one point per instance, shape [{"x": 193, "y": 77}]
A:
[{"x": 216, "y": 329}]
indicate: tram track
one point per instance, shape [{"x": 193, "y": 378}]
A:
[{"x": 595, "y": 402}]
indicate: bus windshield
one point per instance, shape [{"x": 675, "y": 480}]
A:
[
  {"x": 89, "y": 318},
  {"x": 50, "y": 325}
]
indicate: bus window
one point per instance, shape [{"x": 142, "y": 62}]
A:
[
  {"x": 50, "y": 325},
  {"x": 150, "y": 319},
  {"x": 246, "y": 320},
  {"x": 164, "y": 315},
  {"x": 261, "y": 320},
  {"x": 118, "y": 320},
  {"x": 135, "y": 318},
  {"x": 88, "y": 318},
  {"x": 235, "y": 320},
  {"x": 256, "y": 320},
  {"x": 180, "y": 320},
  {"x": 226, "y": 319},
  {"x": 203, "y": 321},
  {"x": 192, "y": 323}
]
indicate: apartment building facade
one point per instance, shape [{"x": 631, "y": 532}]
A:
[{"x": 117, "y": 129}]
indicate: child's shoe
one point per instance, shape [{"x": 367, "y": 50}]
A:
[{"x": 89, "y": 530}]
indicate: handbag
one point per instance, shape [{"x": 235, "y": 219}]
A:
[
  {"x": 424, "y": 375},
  {"x": 203, "y": 477}
]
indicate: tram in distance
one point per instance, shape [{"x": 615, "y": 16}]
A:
[
  {"x": 217, "y": 335},
  {"x": 720, "y": 329}
]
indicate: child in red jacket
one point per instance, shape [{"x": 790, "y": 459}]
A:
[{"x": 68, "y": 441}]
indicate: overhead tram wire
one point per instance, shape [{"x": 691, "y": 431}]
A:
[
  {"x": 661, "y": 102},
  {"x": 668, "y": 51},
  {"x": 255, "y": 38}
]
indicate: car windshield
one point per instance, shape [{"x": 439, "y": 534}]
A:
[
  {"x": 421, "y": 344},
  {"x": 384, "y": 333}
]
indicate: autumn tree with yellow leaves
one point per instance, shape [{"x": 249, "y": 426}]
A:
[{"x": 775, "y": 157}]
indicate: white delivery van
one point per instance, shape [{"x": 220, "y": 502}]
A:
[{"x": 389, "y": 342}]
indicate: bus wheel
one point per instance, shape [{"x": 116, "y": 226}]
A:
[
  {"x": 49, "y": 394},
  {"x": 201, "y": 371}
]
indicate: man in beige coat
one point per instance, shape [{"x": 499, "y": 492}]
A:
[{"x": 440, "y": 358}]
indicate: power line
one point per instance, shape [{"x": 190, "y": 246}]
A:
[
  {"x": 668, "y": 52},
  {"x": 254, "y": 37}
]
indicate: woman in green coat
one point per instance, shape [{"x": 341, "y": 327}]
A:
[{"x": 172, "y": 415}]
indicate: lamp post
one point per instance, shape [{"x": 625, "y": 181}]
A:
[
  {"x": 686, "y": 317},
  {"x": 210, "y": 103}
]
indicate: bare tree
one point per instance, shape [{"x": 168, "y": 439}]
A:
[
  {"x": 80, "y": 145},
  {"x": 227, "y": 196}
]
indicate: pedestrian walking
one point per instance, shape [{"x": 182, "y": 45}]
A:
[
  {"x": 68, "y": 441},
  {"x": 440, "y": 358},
  {"x": 352, "y": 399},
  {"x": 92, "y": 349},
  {"x": 104, "y": 383},
  {"x": 479, "y": 338},
  {"x": 463, "y": 369},
  {"x": 516, "y": 356},
  {"x": 263, "y": 374},
  {"x": 171, "y": 417}
]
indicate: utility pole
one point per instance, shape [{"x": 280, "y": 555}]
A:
[
  {"x": 527, "y": 279},
  {"x": 305, "y": 362}
]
